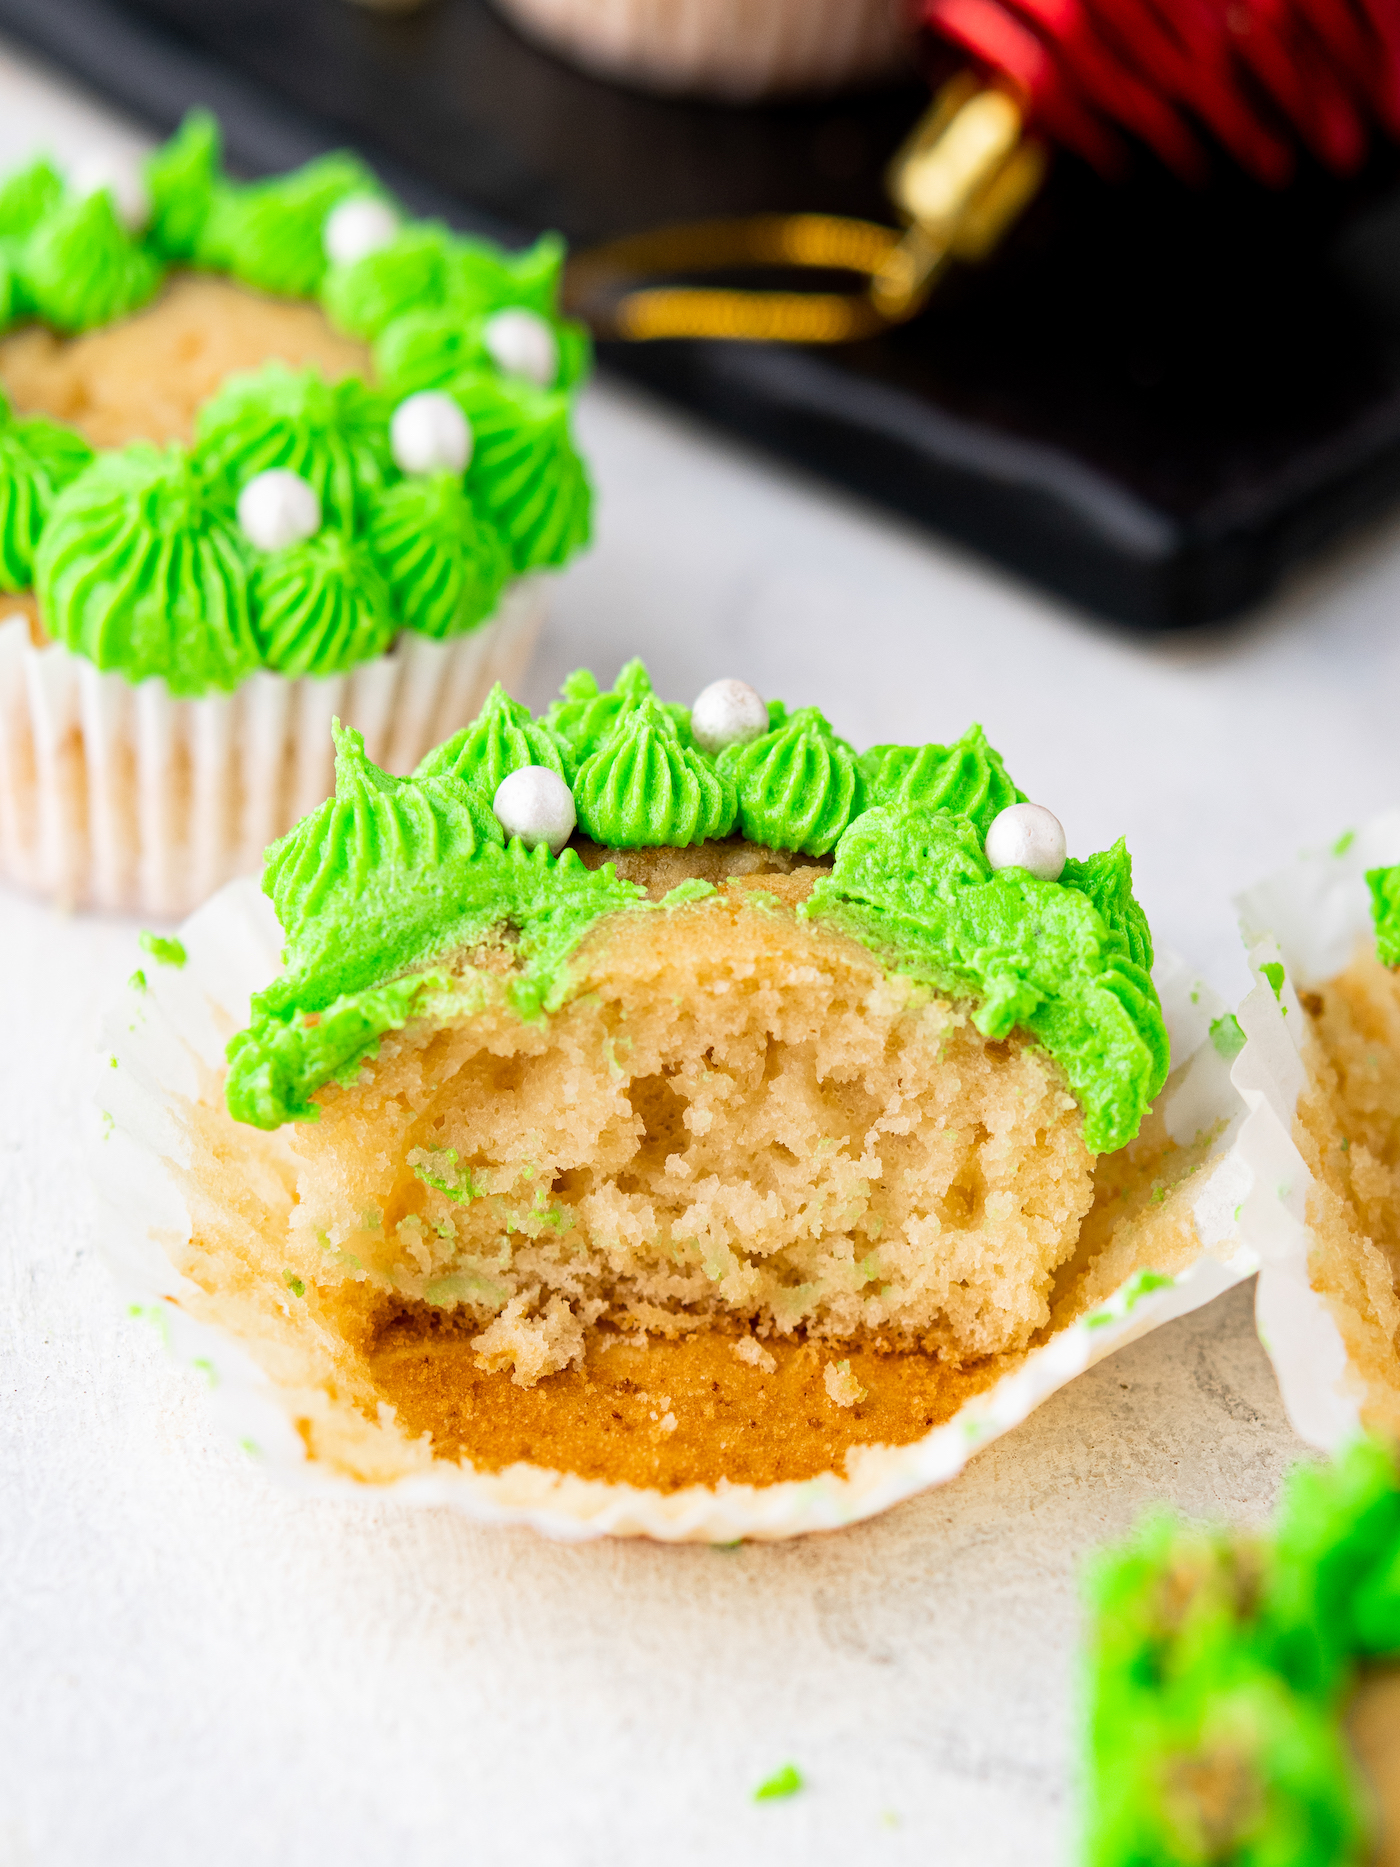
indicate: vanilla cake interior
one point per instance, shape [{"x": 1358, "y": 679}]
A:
[{"x": 637, "y": 1240}]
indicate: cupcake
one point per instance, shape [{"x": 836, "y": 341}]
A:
[
  {"x": 1241, "y": 1688},
  {"x": 722, "y": 48},
  {"x": 1323, "y": 1062},
  {"x": 671, "y": 1119},
  {"x": 269, "y": 452}
]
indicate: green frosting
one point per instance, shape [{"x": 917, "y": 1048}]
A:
[
  {"x": 798, "y": 786},
  {"x": 524, "y": 471},
  {"x": 269, "y": 233},
  {"x": 429, "y": 268},
  {"x": 501, "y": 739},
  {"x": 1384, "y": 885},
  {"x": 1107, "y": 879},
  {"x": 967, "y": 778},
  {"x": 915, "y": 886},
  {"x": 386, "y": 876},
  {"x": 1064, "y": 961},
  {"x": 336, "y": 435},
  {"x": 585, "y": 716},
  {"x": 409, "y": 273},
  {"x": 182, "y": 177},
  {"x": 643, "y": 788},
  {"x": 1220, "y": 1671},
  {"x": 445, "y": 564},
  {"x": 321, "y": 606},
  {"x": 37, "y": 460},
  {"x": 28, "y": 197},
  {"x": 141, "y": 569},
  {"x": 430, "y": 349},
  {"x": 80, "y": 267},
  {"x": 25, "y": 199}
]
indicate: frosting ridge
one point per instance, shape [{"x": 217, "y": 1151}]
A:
[
  {"x": 798, "y": 786},
  {"x": 335, "y": 435},
  {"x": 37, "y": 460},
  {"x": 141, "y": 569},
  {"x": 321, "y": 606},
  {"x": 445, "y": 564},
  {"x": 643, "y": 788},
  {"x": 501, "y": 739}
]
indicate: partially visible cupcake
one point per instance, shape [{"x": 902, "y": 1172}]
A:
[
  {"x": 1242, "y": 1692},
  {"x": 1323, "y": 1025},
  {"x": 221, "y": 523},
  {"x": 729, "y": 49}
]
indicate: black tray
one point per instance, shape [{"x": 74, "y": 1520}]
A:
[{"x": 1151, "y": 402}]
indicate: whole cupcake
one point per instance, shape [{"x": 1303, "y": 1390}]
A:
[
  {"x": 269, "y": 452},
  {"x": 723, "y": 48},
  {"x": 670, "y": 1119}
]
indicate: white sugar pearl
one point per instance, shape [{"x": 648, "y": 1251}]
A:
[
  {"x": 430, "y": 434},
  {"x": 728, "y": 713},
  {"x": 123, "y": 180},
  {"x": 357, "y": 227},
  {"x": 522, "y": 344},
  {"x": 1027, "y": 836},
  {"x": 535, "y": 804},
  {"x": 278, "y": 508}
]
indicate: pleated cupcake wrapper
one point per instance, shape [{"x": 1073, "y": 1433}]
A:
[
  {"x": 115, "y": 795},
  {"x": 1308, "y": 918},
  {"x": 730, "y": 48},
  {"x": 168, "y": 1038}
]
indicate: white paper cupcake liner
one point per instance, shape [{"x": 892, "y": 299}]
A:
[
  {"x": 116, "y": 796},
  {"x": 1309, "y": 918},
  {"x": 168, "y": 1040},
  {"x": 735, "y": 49}
]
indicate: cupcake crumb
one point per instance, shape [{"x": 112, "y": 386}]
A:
[
  {"x": 842, "y": 1386},
  {"x": 748, "y": 1348}
]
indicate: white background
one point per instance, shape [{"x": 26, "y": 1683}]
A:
[{"x": 195, "y": 1668}]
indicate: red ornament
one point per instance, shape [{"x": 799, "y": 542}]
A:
[{"x": 1264, "y": 79}]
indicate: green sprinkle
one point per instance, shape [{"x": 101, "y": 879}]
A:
[
  {"x": 294, "y": 1284},
  {"x": 206, "y": 1368},
  {"x": 1344, "y": 842},
  {"x": 1145, "y": 1284},
  {"x": 1273, "y": 972},
  {"x": 112, "y": 1061},
  {"x": 784, "y": 1782},
  {"x": 1098, "y": 1319},
  {"x": 107, "y": 1125},
  {"x": 1227, "y": 1035},
  {"x": 1346, "y": 1144},
  {"x": 163, "y": 951},
  {"x": 458, "y": 1187},
  {"x": 137, "y": 981},
  {"x": 251, "y": 1447}
]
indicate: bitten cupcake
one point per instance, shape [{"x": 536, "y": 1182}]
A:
[
  {"x": 723, "y": 48},
  {"x": 677, "y": 1118},
  {"x": 269, "y": 452}
]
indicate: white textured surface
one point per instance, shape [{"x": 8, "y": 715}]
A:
[{"x": 196, "y": 1667}]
